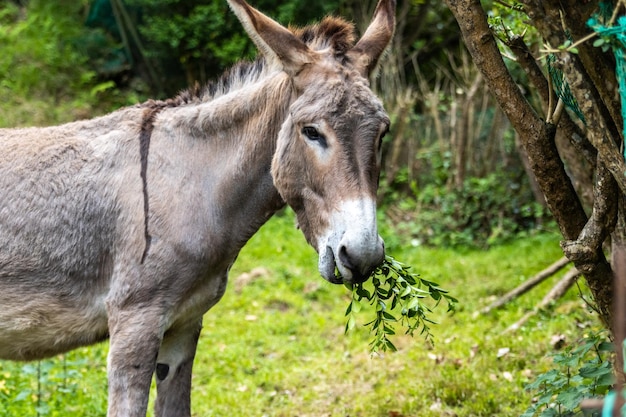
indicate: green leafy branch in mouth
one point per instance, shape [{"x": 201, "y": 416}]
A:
[{"x": 398, "y": 296}]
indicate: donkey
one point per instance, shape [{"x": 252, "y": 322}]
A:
[{"x": 125, "y": 226}]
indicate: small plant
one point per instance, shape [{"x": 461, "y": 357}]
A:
[
  {"x": 580, "y": 372},
  {"x": 398, "y": 296}
]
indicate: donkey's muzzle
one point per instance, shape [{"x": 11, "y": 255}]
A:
[
  {"x": 361, "y": 267},
  {"x": 351, "y": 249},
  {"x": 351, "y": 264}
]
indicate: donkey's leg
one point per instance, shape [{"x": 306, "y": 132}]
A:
[
  {"x": 173, "y": 371},
  {"x": 135, "y": 337}
]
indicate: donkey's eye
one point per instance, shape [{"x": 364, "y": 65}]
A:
[
  {"x": 313, "y": 134},
  {"x": 382, "y": 136}
]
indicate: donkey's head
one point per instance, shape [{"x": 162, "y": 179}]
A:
[{"x": 327, "y": 158}]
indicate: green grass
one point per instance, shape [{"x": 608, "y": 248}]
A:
[{"x": 275, "y": 345}]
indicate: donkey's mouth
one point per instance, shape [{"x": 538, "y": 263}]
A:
[{"x": 328, "y": 267}]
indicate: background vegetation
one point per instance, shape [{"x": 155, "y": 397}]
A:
[
  {"x": 458, "y": 202},
  {"x": 450, "y": 142}
]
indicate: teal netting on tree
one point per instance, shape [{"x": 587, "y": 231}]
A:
[
  {"x": 561, "y": 88},
  {"x": 614, "y": 37}
]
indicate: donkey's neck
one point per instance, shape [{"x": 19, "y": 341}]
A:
[{"x": 232, "y": 140}]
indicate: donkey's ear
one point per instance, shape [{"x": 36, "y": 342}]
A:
[
  {"x": 367, "y": 51},
  {"x": 272, "y": 39}
]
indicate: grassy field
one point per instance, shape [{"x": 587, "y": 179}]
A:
[{"x": 275, "y": 345}]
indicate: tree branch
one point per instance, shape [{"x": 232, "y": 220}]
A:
[
  {"x": 555, "y": 293},
  {"x": 593, "y": 83},
  {"x": 528, "y": 284},
  {"x": 565, "y": 123}
]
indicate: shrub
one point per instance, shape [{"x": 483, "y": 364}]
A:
[
  {"x": 45, "y": 76},
  {"x": 580, "y": 372},
  {"x": 485, "y": 211}
]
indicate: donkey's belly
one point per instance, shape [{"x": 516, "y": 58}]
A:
[{"x": 41, "y": 326}]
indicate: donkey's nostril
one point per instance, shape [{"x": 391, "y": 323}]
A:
[
  {"x": 345, "y": 259},
  {"x": 348, "y": 262}
]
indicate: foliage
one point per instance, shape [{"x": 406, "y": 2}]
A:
[
  {"x": 486, "y": 211},
  {"x": 44, "y": 58},
  {"x": 53, "y": 387},
  {"x": 395, "y": 287},
  {"x": 580, "y": 372},
  {"x": 195, "y": 41},
  {"x": 44, "y": 74}
]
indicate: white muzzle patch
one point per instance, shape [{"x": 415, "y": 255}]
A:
[{"x": 351, "y": 246}]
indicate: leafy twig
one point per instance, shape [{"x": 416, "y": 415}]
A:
[{"x": 398, "y": 296}]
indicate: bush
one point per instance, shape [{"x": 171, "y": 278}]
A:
[
  {"x": 194, "y": 41},
  {"x": 485, "y": 211},
  {"x": 580, "y": 372},
  {"x": 45, "y": 77}
]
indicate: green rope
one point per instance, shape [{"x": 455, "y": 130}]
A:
[
  {"x": 605, "y": 10},
  {"x": 562, "y": 89},
  {"x": 615, "y": 38}
]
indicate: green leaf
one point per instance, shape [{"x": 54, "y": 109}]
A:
[
  {"x": 413, "y": 304},
  {"x": 407, "y": 290},
  {"x": 350, "y": 324},
  {"x": 530, "y": 412},
  {"x": 605, "y": 346},
  {"x": 388, "y": 330},
  {"x": 594, "y": 371},
  {"x": 606, "y": 380},
  {"x": 390, "y": 346},
  {"x": 389, "y": 316},
  {"x": 363, "y": 293},
  {"x": 566, "y": 359},
  {"x": 549, "y": 412},
  {"x": 451, "y": 299},
  {"x": 570, "y": 399},
  {"x": 393, "y": 288}
]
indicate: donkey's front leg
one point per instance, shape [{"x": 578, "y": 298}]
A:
[
  {"x": 135, "y": 337},
  {"x": 173, "y": 371}
]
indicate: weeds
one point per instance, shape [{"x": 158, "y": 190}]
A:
[
  {"x": 54, "y": 387},
  {"x": 580, "y": 372}
]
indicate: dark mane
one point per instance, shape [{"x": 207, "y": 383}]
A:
[
  {"x": 332, "y": 32},
  {"x": 240, "y": 73}
]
